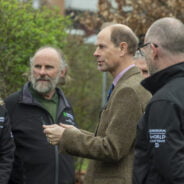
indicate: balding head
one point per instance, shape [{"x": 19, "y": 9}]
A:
[
  {"x": 122, "y": 33},
  {"x": 168, "y": 33},
  {"x": 53, "y": 52},
  {"x": 47, "y": 69}
]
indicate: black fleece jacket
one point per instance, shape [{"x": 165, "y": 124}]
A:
[
  {"x": 37, "y": 161},
  {"x": 159, "y": 149},
  {"x": 6, "y": 147}
]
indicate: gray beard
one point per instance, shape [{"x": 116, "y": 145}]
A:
[
  {"x": 44, "y": 87},
  {"x": 152, "y": 69}
]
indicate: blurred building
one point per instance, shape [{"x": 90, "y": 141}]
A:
[
  {"x": 75, "y": 5},
  {"x": 68, "y": 5}
]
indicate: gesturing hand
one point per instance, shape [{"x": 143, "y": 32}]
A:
[{"x": 54, "y": 133}]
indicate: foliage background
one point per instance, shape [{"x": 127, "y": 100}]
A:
[{"x": 22, "y": 31}]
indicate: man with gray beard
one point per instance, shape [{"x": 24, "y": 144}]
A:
[{"x": 39, "y": 103}]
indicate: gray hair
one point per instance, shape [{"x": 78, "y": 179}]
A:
[{"x": 168, "y": 33}]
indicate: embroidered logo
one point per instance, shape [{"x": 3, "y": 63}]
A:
[
  {"x": 157, "y": 136},
  {"x": 69, "y": 118}
]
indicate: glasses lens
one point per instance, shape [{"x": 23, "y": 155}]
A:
[
  {"x": 141, "y": 52},
  {"x": 137, "y": 53}
]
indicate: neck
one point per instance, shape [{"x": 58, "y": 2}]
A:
[
  {"x": 48, "y": 95},
  {"x": 171, "y": 60},
  {"x": 126, "y": 62}
]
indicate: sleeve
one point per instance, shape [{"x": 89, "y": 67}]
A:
[
  {"x": 115, "y": 134},
  {"x": 166, "y": 134},
  {"x": 6, "y": 148}
]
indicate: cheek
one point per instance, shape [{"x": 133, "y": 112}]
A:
[
  {"x": 35, "y": 73},
  {"x": 54, "y": 74}
]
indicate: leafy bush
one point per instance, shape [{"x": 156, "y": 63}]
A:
[{"x": 23, "y": 30}]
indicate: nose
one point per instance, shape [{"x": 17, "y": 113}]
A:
[
  {"x": 96, "y": 53},
  {"x": 42, "y": 71}
]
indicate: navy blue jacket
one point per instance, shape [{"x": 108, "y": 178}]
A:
[{"x": 37, "y": 161}]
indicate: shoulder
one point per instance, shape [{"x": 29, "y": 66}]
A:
[
  {"x": 11, "y": 101},
  {"x": 12, "y": 97}
]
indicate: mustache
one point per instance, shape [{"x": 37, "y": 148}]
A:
[{"x": 43, "y": 78}]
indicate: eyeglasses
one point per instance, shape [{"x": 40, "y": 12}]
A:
[{"x": 140, "y": 49}]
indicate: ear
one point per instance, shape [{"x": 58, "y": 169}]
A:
[
  {"x": 64, "y": 72},
  {"x": 124, "y": 48},
  {"x": 154, "y": 51}
]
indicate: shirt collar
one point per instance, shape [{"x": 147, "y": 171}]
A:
[{"x": 116, "y": 79}]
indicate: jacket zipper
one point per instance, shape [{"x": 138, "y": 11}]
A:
[{"x": 56, "y": 159}]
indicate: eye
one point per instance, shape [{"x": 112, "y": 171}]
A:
[
  {"x": 101, "y": 46},
  {"x": 37, "y": 66},
  {"x": 49, "y": 67}
]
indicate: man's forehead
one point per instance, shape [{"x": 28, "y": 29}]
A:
[
  {"x": 46, "y": 58},
  {"x": 47, "y": 52},
  {"x": 46, "y": 55},
  {"x": 103, "y": 36}
]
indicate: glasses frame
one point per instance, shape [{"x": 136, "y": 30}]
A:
[{"x": 144, "y": 45}]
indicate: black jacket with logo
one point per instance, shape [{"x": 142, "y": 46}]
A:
[
  {"x": 6, "y": 147},
  {"x": 159, "y": 149},
  {"x": 37, "y": 161}
]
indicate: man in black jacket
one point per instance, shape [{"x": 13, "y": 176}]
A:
[
  {"x": 6, "y": 146},
  {"x": 159, "y": 149},
  {"x": 38, "y": 103}
]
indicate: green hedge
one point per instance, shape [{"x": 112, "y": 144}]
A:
[{"x": 22, "y": 31}]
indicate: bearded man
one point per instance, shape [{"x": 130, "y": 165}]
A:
[{"x": 39, "y": 103}]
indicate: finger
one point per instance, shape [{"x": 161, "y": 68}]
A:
[
  {"x": 63, "y": 125},
  {"x": 49, "y": 141},
  {"x": 54, "y": 143},
  {"x": 49, "y": 126},
  {"x": 49, "y": 136},
  {"x": 48, "y": 130}
]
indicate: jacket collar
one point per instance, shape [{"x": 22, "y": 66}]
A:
[
  {"x": 132, "y": 71},
  {"x": 160, "y": 78},
  {"x": 27, "y": 98}
]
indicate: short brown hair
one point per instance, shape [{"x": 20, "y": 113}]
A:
[{"x": 120, "y": 34}]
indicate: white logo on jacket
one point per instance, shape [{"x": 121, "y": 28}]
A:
[{"x": 157, "y": 136}]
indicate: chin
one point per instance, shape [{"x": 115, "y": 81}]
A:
[{"x": 102, "y": 69}]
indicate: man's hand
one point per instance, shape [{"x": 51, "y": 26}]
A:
[
  {"x": 66, "y": 126},
  {"x": 54, "y": 133}
]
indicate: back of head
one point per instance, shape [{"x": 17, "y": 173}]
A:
[
  {"x": 168, "y": 33},
  {"x": 122, "y": 33}
]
